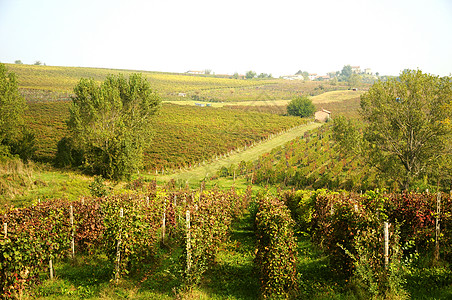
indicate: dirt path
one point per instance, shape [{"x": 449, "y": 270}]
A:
[{"x": 198, "y": 173}]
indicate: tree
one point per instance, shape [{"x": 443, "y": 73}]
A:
[
  {"x": 354, "y": 80},
  {"x": 111, "y": 123},
  {"x": 18, "y": 62},
  {"x": 250, "y": 75},
  {"x": 301, "y": 106},
  {"x": 347, "y": 135},
  {"x": 408, "y": 125},
  {"x": 264, "y": 75},
  {"x": 12, "y": 106},
  {"x": 38, "y": 63},
  {"x": 346, "y": 73},
  {"x": 304, "y": 74}
]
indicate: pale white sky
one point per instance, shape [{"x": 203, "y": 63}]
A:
[{"x": 278, "y": 37}]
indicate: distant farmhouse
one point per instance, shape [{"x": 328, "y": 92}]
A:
[
  {"x": 195, "y": 72},
  {"x": 322, "y": 115},
  {"x": 312, "y": 76},
  {"x": 293, "y": 77},
  {"x": 356, "y": 69}
]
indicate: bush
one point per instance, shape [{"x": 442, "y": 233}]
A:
[{"x": 301, "y": 106}]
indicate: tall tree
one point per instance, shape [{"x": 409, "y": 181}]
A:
[
  {"x": 409, "y": 124},
  {"x": 111, "y": 123},
  {"x": 12, "y": 106},
  {"x": 346, "y": 72},
  {"x": 250, "y": 75}
]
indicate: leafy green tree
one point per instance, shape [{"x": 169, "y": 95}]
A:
[
  {"x": 250, "y": 75},
  {"x": 12, "y": 106},
  {"x": 18, "y": 62},
  {"x": 408, "y": 125},
  {"x": 111, "y": 123},
  {"x": 346, "y": 73},
  {"x": 303, "y": 73},
  {"x": 301, "y": 106},
  {"x": 347, "y": 135},
  {"x": 354, "y": 80},
  {"x": 68, "y": 155},
  {"x": 264, "y": 75},
  {"x": 25, "y": 145}
]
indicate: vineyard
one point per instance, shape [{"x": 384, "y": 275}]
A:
[
  {"x": 303, "y": 221},
  {"x": 183, "y": 136},
  {"x": 38, "y": 83},
  {"x": 137, "y": 232},
  {"x": 309, "y": 161}
]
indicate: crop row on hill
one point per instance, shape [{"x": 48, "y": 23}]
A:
[
  {"x": 309, "y": 161},
  {"x": 36, "y": 81},
  {"x": 183, "y": 135},
  {"x": 168, "y": 85}
]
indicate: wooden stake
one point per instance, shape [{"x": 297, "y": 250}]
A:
[
  {"x": 118, "y": 249},
  {"x": 51, "y": 269},
  {"x": 187, "y": 220},
  {"x": 71, "y": 218},
  {"x": 386, "y": 229},
  {"x": 5, "y": 229},
  {"x": 437, "y": 227},
  {"x": 164, "y": 222}
]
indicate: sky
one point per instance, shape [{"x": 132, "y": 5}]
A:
[{"x": 278, "y": 37}]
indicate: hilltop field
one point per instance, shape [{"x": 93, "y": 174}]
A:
[{"x": 46, "y": 83}]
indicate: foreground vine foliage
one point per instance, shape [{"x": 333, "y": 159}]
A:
[{"x": 128, "y": 228}]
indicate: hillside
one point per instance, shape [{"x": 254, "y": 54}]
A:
[{"x": 55, "y": 83}]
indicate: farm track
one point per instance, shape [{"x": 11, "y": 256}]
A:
[{"x": 195, "y": 175}]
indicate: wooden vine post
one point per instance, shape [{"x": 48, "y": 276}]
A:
[
  {"x": 118, "y": 247},
  {"x": 5, "y": 229},
  {"x": 164, "y": 222},
  {"x": 51, "y": 268},
  {"x": 71, "y": 219},
  {"x": 437, "y": 227},
  {"x": 187, "y": 221},
  {"x": 386, "y": 249}
]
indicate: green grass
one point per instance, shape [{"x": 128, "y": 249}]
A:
[{"x": 38, "y": 181}]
